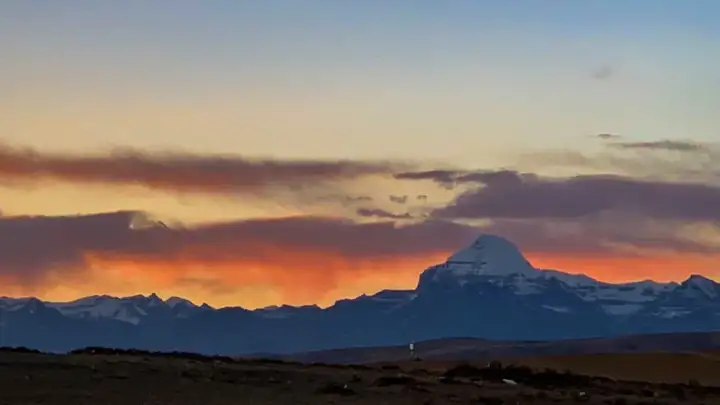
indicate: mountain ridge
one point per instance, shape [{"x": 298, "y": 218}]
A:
[{"x": 487, "y": 290}]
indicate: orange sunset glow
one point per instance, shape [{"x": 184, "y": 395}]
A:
[{"x": 302, "y": 277}]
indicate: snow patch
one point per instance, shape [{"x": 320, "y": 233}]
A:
[
  {"x": 671, "y": 312},
  {"x": 622, "y": 309},
  {"x": 704, "y": 285},
  {"x": 488, "y": 255},
  {"x": 172, "y": 302},
  {"x": 557, "y": 309}
]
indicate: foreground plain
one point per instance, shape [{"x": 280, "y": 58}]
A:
[{"x": 146, "y": 378}]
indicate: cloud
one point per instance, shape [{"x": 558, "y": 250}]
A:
[
  {"x": 451, "y": 178},
  {"x": 603, "y": 73},
  {"x": 344, "y": 199},
  {"x": 34, "y": 244},
  {"x": 607, "y": 136},
  {"x": 512, "y": 195},
  {"x": 378, "y": 213},
  {"x": 324, "y": 254},
  {"x": 398, "y": 199},
  {"x": 665, "y": 145},
  {"x": 183, "y": 172},
  {"x": 615, "y": 235},
  {"x": 695, "y": 163},
  {"x": 439, "y": 176}
]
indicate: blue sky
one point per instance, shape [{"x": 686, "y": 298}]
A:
[{"x": 440, "y": 74}]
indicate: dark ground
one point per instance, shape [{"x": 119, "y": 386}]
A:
[{"x": 144, "y": 379}]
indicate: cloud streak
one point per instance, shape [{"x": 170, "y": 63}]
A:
[
  {"x": 183, "y": 171},
  {"x": 665, "y": 145},
  {"x": 603, "y": 73},
  {"x": 321, "y": 253},
  {"x": 688, "y": 161},
  {"x": 513, "y": 195},
  {"x": 378, "y": 213}
]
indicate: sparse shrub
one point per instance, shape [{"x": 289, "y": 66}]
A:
[
  {"x": 359, "y": 367},
  {"x": 489, "y": 400},
  {"x": 582, "y": 396},
  {"x": 679, "y": 393},
  {"x": 192, "y": 374},
  {"x": 390, "y": 367},
  {"x": 552, "y": 379},
  {"x": 19, "y": 349},
  {"x": 148, "y": 354},
  {"x": 620, "y": 401},
  {"x": 466, "y": 371},
  {"x": 388, "y": 380},
  {"x": 518, "y": 373},
  {"x": 496, "y": 372},
  {"x": 447, "y": 380},
  {"x": 495, "y": 365},
  {"x": 224, "y": 376},
  {"x": 270, "y": 360},
  {"x": 648, "y": 393},
  {"x": 335, "y": 389}
]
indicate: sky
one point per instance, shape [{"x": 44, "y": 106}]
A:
[{"x": 257, "y": 153}]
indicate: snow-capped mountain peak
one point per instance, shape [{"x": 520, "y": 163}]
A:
[
  {"x": 131, "y": 309},
  {"x": 172, "y": 302},
  {"x": 702, "y": 285},
  {"x": 488, "y": 255},
  {"x": 494, "y": 260}
]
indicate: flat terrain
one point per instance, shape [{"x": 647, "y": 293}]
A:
[
  {"x": 128, "y": 379},
  {"x": 464, "y": 349}
]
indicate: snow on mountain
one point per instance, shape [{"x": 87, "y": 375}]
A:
[
  {"x": 698, "y": 285},
  {"x": 494, "y": 260},
  {"x": 13, "y": 304},
  {"x": 131, "y": 309},
  {"x": 394, "y": 296},
  {"x": 285, "y": 311},
  {"x": 102, "y": 306},
  {"x": 488, "y": 255},
  {"x": 173, "y": 302}
]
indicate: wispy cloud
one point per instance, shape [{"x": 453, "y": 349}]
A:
[
  {"x": 34, "y": 245},
  {"x": 665, "y": 145},
  {"x": 607, "y": 136},
  {"x": 508, "y": 194},
  {"x": 321, "y": 254},
  {"x": 603, "y": 73},
  {"x": 183, "y": 171},
  {"x": 398, "y": 199},
  {"x": 378, "y": 213},
  {"x": 689, "y": 161}
]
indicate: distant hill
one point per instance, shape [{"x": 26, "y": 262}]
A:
[{"x": 470, "y": 349}]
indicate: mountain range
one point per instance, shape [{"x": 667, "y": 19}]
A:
[{"x": 487, "y": 290}]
